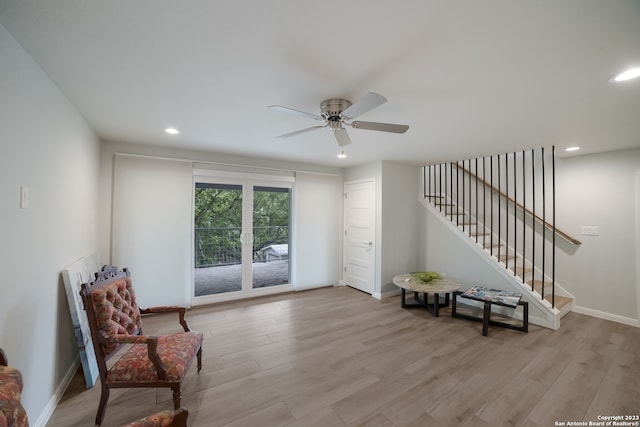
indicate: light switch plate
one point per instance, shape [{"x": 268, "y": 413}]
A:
[
  {"x": 589, "y": 230},
  {"x": 24, "y": 197}
]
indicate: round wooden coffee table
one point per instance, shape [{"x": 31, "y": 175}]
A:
[{"x": 435, "y": 287}]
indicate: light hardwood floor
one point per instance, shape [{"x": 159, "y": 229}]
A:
[{"x": 338, "y": 357}]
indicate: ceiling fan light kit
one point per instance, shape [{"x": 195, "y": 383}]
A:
[{"x": 338, "y": 112}]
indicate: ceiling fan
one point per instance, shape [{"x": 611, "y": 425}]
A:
[{"x": 337, "y": 113}]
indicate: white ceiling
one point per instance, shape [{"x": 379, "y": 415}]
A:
[{"x": 469, "y": 77}]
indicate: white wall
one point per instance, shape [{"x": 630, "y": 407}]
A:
[
  {"x": 152, "y": 220},
  {"x": 317, "y": 197},
  {"x": 47, "y": 146},
  {"x": 601, "y": 190},
  {"x": 399, "y": 222},
  {"x": 317, "y": 238}
]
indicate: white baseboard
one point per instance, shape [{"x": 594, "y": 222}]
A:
[
  {"x": 389, "y": 294},
  {"x": 308, "y": 288},
  {"x": 607, "y": 316},
  {"x": 53, "y": 402}
]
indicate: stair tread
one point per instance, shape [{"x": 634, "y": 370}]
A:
[
  {"x": 494, "y": 245},
  {"x": 561, "y": 301},
  {"x": 537, "y": 284},
  {"x": 504, "y": 257},
  {"x": 519, "y": 270}
]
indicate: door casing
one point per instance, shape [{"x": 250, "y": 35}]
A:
[{"x": 360, "y": 235}]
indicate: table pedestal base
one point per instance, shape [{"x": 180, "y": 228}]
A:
[{"x": 433, "y": 307}]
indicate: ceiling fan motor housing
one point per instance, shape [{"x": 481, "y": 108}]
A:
[{"x": 331, "y": 109}]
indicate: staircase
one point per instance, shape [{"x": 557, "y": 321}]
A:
[{"x": 504, "y": 206}]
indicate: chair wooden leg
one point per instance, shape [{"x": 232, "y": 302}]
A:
[
  {"x": 199, "y": 359},
  {"x": 177, "y": 396},
  {"x": 180, "y": 418},
  {"x": 104, "y": 397}
]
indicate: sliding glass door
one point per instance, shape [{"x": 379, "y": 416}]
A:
[
  {"x": 217, "y": 219},
  {"x": 270, "y": 264},
  {"x": 241, "y": 237}
]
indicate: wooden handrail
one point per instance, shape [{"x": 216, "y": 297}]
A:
[{"x": 530, "y": 213}]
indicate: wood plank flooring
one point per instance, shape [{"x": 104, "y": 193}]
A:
[{"x": 338, "y": 357}]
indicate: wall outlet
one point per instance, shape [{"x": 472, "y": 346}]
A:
[{"x": 589, "y": 230}]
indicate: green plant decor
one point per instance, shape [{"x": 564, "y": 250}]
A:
[{"x": 426, "y": 276}]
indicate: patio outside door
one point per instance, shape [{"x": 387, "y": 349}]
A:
[
  {"x": 241, "y": 239},
  {"x": 218, "y": 238}
]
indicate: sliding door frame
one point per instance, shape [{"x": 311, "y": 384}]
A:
[{"x": 248, "y": 181}]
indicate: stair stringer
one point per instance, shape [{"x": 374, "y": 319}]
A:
[{"x": 485, "y": 271}]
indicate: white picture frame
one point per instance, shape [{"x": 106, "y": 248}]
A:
[{"x": 73, "y": 276}]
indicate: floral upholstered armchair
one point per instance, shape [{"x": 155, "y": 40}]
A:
[
  {"x": 149, "y": 361},
  {"x": 12, "y": 414},
  {"x": 167, "y": 418}
]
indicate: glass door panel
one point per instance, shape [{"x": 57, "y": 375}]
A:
[
  {"x": 271, "y": 218},
  {"x": 217, "y": 238}
]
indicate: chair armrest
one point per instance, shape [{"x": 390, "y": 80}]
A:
[
  {"x": 169, "y": 309},
  {"x": 128, "y": 339},
  {"x": 161, "y": 309}
]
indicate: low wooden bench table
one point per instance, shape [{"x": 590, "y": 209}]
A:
[
  {"x": 489, "y": 297},
  {"x": 435, "y": 287}
]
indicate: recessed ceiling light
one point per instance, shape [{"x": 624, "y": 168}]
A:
[
  {"x": 572, "y": 149},
  {"x": 629, "y": 74},
  {"x": 172, "y": 131},
  {"x": 341, "y": 155}
]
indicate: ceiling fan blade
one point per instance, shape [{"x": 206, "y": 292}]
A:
[
  {"x": 364, "y": 104},
  {"x": 298, "y": 132},
  {"x": 291, "y": 110},
  {"x": 385, "y": 127},
  {"x": 342, "y": 137}
]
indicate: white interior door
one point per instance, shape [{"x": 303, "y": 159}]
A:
[{"x": 359, "y": 235}]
